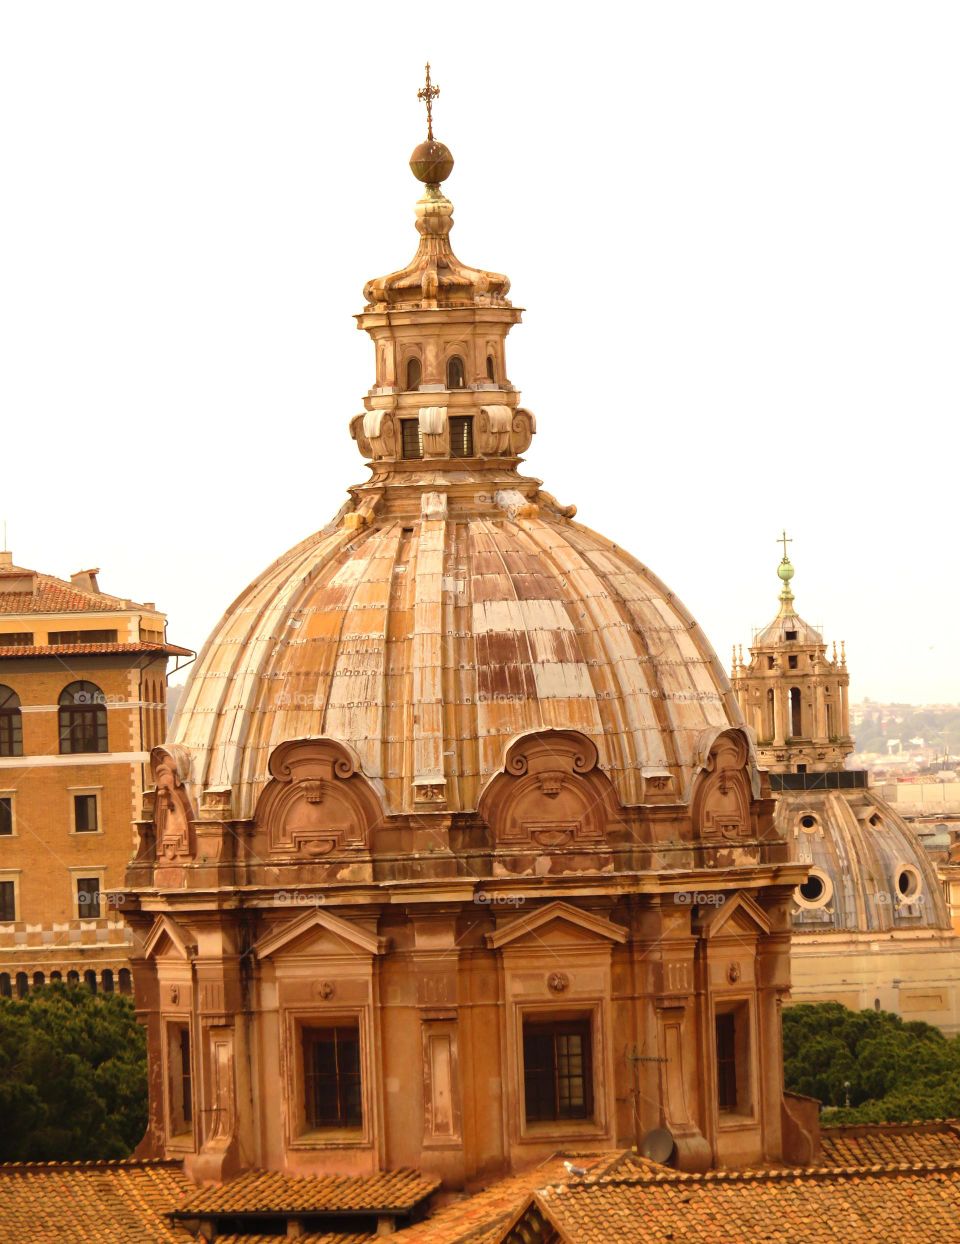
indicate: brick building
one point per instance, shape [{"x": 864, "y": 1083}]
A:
[{"x": 82, "y": 700}]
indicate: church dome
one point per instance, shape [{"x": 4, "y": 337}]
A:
[
  {"x": 428, "y": 645},
  {"x": 869, "y": 871},
  {"x": 452, "y": 605}
]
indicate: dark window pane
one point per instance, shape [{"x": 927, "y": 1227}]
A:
[
  {"x": 412, "y": 441},
  {"x": 83, "y": 719},
  {"x": 6, "y": 815},
  {"x": 414, "y": 374},
  {"x": 8, "y": 903},
  {"x": 16, "y": 639},
  {"x": 88, "y": 898},
  {"x": 727, "y": 1061},
  {"x": 556, "y": 1070},
  {"x": 85, "y": 813},
  {"x": 11, "y": 723},
  {"x": 461, "y": 436},
  {"x": 331, "y": 1065},
  {"x": 81, "y": 637},
  {"x": 186, "y": 1080},
  {"x": 456, "y": 375}
]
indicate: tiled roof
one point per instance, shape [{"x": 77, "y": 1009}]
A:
[
  {"x": 270, "y": 1192},
  {"x": 90, "y": 1202},
  {"x": 54, "y": 595},
  {"x": 480, "y": 1218},
  {"x": 888, "y": 1143},
  {"x": 309, "y": 1238},
  {"x": 905, "y": 1204},
  {"x": 83, "y": 650}
]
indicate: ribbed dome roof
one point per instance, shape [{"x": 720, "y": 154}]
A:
[
  {"x": 871, "y": 872},
  {"x": 428, "y": 646}
]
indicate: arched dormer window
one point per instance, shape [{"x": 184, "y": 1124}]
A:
[
  {"x": 491, "y": 369},
  {"x": 83, "y": 718},
  {"x": 414, "y": 374},
  {"x": 11, "y": 723},
  {"x": 456, "y": 375}
]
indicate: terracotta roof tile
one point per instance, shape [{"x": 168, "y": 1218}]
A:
[
  {"x": 480, "y": 1218},
  {"x": 81, "y": 650},
  {"x": 90, "y": 1202},
  {"x": 885, "y": 1143},
  {"x": 53, "y": 595},
  {"x": 898, "y": 1204},
  {"x": 309, "y": 1238},
  {"x": 271, "y": 1192}
]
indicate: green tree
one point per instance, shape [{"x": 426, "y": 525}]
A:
[
  {"x": 73, "y": 1076},
  {"x": 889, "y": 1070}
]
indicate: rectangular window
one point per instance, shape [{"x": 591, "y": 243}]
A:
[
  {"x": 771, "y": 662},
  {"x": 179, "y": 1078},
  {"x": 727, "y": 1060},
  {"x": 331, "y": 1077},
  {"x": 411, "y": 440},
  {"x": 81, "y": 637},
  {"x": 85, "y": 814},
  {"x": 792, "y": 661},
  {"x": 16, "y": 639},
  {"x": 461, "y": 436},
  {"x": 8, "y": 902},
  {"x": 790, "y": 634},
  {"x": 557, "y": 1072},
  {"x": 88, "y": 898},
  {"x": 6, "y": 815},
  {"x": 83, "y": 729}
]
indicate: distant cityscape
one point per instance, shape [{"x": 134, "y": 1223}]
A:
[{"x": 911, "y": 742}]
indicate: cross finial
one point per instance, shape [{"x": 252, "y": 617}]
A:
[
  {"x": 428, "y": 93},
  {"x": 784, "y": 539}
]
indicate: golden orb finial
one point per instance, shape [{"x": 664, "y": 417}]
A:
[{"x": 431, "y": 161}]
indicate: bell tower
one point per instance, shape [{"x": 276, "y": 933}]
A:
[{"x": 791, "y": 693}]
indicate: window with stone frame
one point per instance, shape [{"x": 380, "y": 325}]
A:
[
  {"x": 11, "y": 723},
  {"x": 88, "y": 898},
  {"x": 85, "y": 819},
  {"x": 8, "y": 902},
  {"x": 6, "y": 815},
  {"x": 557, "y": 1069},
  {"x": 179, "y": 1078},
  {"x": 732, "y": 1045},
  {"x": 83, "y": 718},
  {"x": 332, "y": 1082}
]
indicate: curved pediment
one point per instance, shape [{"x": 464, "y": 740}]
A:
[{"x": 318, "y": 803}]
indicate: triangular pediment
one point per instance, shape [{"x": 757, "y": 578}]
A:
[
  {"x": 317, "y": 921},
  {"x": 167, "y": 935},
  {"x": 550, "y": 919},
  {"x": 739, "y": 913}
]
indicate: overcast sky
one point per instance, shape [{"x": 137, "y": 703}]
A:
[{"x": 734, "y": 228}]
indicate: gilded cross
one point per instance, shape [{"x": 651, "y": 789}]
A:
[
  {"x": 428, "y": 94},
  {"x": 784, "y": 539}
]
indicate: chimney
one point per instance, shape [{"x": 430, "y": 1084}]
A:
[
  {"x": 6, "y": 558},
  {"x": 86, "y": 580}
]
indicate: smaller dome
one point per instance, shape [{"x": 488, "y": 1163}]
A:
[
  {"x": 431, "y": 162},
  {"x": 869, "y": 871}
]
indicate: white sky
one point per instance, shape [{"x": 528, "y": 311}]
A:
[{"x": 734, "y": 227}]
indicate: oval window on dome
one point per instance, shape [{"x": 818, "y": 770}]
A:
[
  {"x": 808, "y": 822},
  {"x": 815, "y": 891},
  {"x": 908, "y": 884}
]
